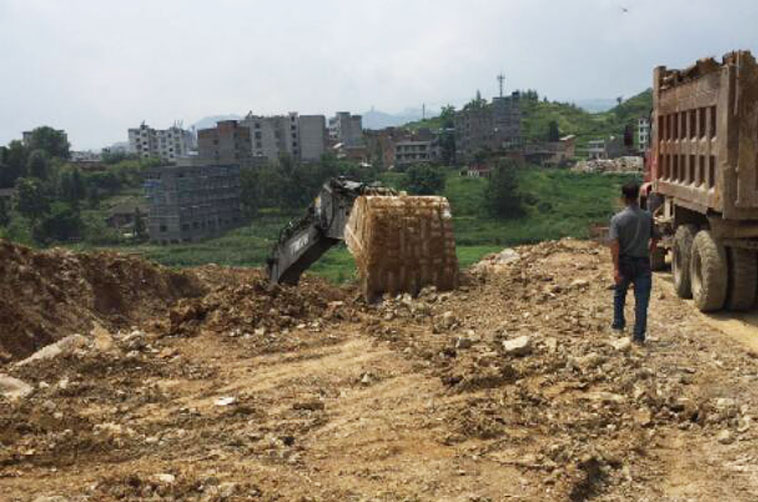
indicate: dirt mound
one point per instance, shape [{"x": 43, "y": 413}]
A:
[
  {"x": 46, "y": 295},
  {"x": 243, "y": 303}
]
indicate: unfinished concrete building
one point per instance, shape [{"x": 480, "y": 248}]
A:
[
  {"x": 190, "y": 203},
  {"x": 491, "y": 127},
  {"x": 302, "y": 137},
  {"x": 227, "y": 143}
]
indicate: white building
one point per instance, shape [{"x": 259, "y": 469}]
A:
[
  {"x": 166, "y": 144},
  {"x": 643, "y": 133}
]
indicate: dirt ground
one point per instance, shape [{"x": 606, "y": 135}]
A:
[{"x": 510, "y": 388}]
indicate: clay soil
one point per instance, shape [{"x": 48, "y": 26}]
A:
[{"x": 311, "y": 394}]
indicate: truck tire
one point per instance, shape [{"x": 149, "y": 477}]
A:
[
  {"x": 743, "y": 275},
  {"x": 708, "y": 272},
  {"x": 658, "y": 259},
  {"x": 680, "y": 259}
]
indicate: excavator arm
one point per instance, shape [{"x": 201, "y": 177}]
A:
[{"x": 305, "y": 240}]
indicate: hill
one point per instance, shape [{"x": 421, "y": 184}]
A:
[{"x": 571, "y": 119}]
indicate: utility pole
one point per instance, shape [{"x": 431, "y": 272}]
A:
[
  {"x": 423, "y": 111},
  {"x": 501, "y": 81}
]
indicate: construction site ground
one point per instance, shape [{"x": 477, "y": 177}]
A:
[{"x": 511, "y": 388}]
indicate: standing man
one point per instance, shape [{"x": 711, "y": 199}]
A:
[{"x": 632, "y": 236}]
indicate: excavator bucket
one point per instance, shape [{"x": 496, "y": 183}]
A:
[{"x": 402, "y": 243}]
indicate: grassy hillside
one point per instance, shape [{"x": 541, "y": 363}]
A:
[
  {"x": 538, "y": 114},
  {"x": 560, "y": 204}
]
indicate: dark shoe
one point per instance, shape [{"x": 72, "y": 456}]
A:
[{"x": 638, "y": 341}]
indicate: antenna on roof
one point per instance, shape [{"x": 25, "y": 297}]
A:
[{"x": 501, "y": 81}]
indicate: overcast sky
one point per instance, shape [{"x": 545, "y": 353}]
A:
[{"x": 98, "y": 67}]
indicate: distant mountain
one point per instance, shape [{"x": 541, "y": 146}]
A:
[
  {"x": 595, "y": 105},
  {"x": 210, "y": 122},
  {"x": 376, "y": 119}
]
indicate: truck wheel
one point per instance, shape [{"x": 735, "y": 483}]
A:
[
  {"x": 708, "y": 272},
  {"x": 658, "y": 259},
  {"x": 680, "y": 260},
  {"x": 743, "y": 275}
]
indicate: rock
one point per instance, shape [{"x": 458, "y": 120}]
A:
[
  {"x": 102, "y": 338},
  {"x": 604, "y": 397},
  {"x": 463, "y": 343},
  {"x": 724, "y": 437},
  {"x": 744, "y": 424},
  {"x": 643, "y": 417},
  {"x": 164, "y": 478},
  {"x": 52, "y": 498},
  {"x": 225, "y": 401},
  {"x": 13, "y": 388},
  {"x": 551, "y": 344},
  {"x": 579, "y": 284},
  {"x": 622, "y": 344},
  {"x": 63, "y": 346},
  {"x": 448, "y": 320},
  {"x": 227, "y": 489},
  {"x": 313, "y": 405},
  {"x": 136, "y": 340},
  {"x": 507, "y": 255},
  {"x": 367, "y": 379},
  {"x": 520, "y": 346}
]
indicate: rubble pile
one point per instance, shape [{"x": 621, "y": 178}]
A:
[
  {"x": 510, "y": 387},
  {"x": 244, "y": 303},
  {"x": 46, "y": 295},
  {"x": 619, "y": 165},
  {"x": 586, "y": 406}
]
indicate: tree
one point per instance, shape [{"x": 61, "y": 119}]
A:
[
  {"x": 5, "y": 215},
  {"x": 140, "y": 229},
  {"x": 62, "y": 223},
  {"x": 31, "y": 199},
  {"x": 51, "y": 141},
  {"x": 553, "y": 132},
  {"x": 424, "y": 180},
  {"x": 12, "y": 163},
  {"x": 72, "y": 188},
  {"x": 502, "y": 195},
  {"x": 37, "y": 165}
]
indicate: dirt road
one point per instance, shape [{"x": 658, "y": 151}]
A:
[{"x": 510, "y": 388}]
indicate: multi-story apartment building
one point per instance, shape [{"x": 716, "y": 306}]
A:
[
  {"x": 346, "y": 129},
  {"x": 189, "y": 203},
  {"x": 483, "y": 126},
  {"x": 414, "y": 152},
  {"x": 166, "y": 144},
  {"x": 303, "y": 137},
  {"x": 227, "y": 143}
]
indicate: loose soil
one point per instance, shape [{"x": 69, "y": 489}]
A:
[{"x": 311, "y": 394}]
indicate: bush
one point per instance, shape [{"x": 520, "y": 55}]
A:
[
  {"x": 502, "y": 196},
  {"x": 62, "y": 224},
  {"x": 424, "y": 180}
]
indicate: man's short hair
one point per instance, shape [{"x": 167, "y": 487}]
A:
[{"x": 631, "y": 190}]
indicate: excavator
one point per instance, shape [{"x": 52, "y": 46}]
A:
[{"x": 400, "y": 243}]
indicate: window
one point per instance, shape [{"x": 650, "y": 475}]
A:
[
  {"x": 712, "y": 131},
  {"x": 712, "y": 172},
  {"x": 163, "y": 228},
  {"x": 701, "y": 174},
  {"x": 701, "y": 122},
  {"x": 693, "y": 123}
]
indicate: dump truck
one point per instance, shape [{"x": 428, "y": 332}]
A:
[
  {"x": 400, "y": 243},
  {"x": 703, "y": 172}
]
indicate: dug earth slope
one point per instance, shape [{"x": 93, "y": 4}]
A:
[{"x": 510, "y": 388}]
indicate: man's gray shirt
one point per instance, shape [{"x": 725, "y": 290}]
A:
[{"x": 633, "y": 227}]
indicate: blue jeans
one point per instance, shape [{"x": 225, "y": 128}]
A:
[{"x": 633, "y": 271}]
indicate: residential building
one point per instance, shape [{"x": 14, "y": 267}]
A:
[
  {"x": 346, "y": 129},
  {"x": 412, "y": 152},
  {"x": 488, "y": 127},
  {"x": 227, "y": 143},
  {"x": 312, "y": 137},
  {"x": 643, "y": 133},
  {"x": 552, "y": 153},
  {"x": 607, "y": 148},
  {"x": 302, "y": 137},
  {"x": 189, "y": 203},
  {"x": 165, "y": 144}
]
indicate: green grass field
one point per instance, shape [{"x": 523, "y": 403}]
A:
[{"x": 560, "y": 204}]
